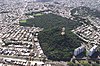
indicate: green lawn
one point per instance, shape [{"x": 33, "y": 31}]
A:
[
  {"x": 23, "y": 21},
  {"x": 38, "y": 14}
]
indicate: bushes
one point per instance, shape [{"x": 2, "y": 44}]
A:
[
  {"x": 84, "y": 63},
  {"x": 73, "y": 64},
  {"x": 95, "y": 64}
]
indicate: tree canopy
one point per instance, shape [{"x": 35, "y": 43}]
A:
[{"x": 56, "y": 46}]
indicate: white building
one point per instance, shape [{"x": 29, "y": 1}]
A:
[
  {"x": 92, "y": 50},
  {"x": 79, "y": 50},
  {"x": 1, "y": 42}
]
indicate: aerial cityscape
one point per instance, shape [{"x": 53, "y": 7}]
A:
[{"x": 49, "y": 32}]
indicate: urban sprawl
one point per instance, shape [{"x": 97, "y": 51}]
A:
[{"x": 19, "y": 45}]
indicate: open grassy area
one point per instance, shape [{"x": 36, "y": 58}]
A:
[
  {"x": 38, "y": 14},
  {"x": 23, "y": 21}
]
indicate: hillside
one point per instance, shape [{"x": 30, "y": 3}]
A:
[
  {"x": 85, "y": 12},
  {"x": 56, "y": 46}
]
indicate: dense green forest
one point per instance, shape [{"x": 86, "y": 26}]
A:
[
  {"x": 48, "y": 21},
  {"x": 56, "y": 46}
]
